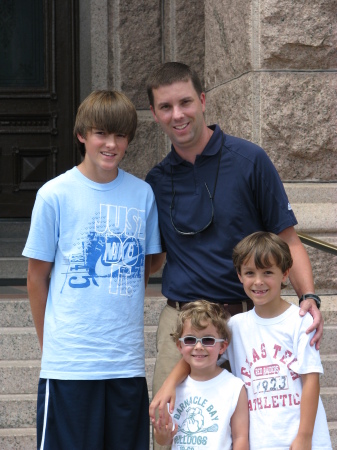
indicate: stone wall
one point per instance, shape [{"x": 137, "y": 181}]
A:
[
  {"x": 269, "y": 69},
  {"x": 270, "y": 72}
]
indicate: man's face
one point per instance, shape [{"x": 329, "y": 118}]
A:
[{"x": 179, "y": 111}]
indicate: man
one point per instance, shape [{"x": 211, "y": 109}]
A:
[{"x": 212, "y": 190}]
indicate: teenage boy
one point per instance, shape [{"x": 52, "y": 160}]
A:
[
  {"x": 212, "y": 190},
  {"x": 91, "y": 232},
  {"x": 211, "y": 405}
]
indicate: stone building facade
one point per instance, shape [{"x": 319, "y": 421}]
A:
[{"x": 269, "y": 71}]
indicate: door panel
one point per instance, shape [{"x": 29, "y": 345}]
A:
[{"x": 38, "y": 98}]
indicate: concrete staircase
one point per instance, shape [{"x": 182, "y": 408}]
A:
[{"x": 20, "y": 363}]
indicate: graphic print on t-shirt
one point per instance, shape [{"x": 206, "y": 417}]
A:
[
  {"x": 269, "y": 378},
  {"x": 195, "y": 417},
  {"x": 111, "y": 246}
]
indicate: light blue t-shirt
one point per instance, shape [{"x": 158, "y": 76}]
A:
[{"x": 97, "y": 236}]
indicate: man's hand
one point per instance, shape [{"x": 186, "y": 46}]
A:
[{"x": 309, "y": 305}]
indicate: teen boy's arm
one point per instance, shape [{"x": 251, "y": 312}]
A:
[
  {"x": 37, "y": 286},
  {"x": 309, "y": 405},
  {"x": 302, "y": 281}
]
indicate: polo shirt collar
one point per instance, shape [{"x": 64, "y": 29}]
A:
[{"x": 211, "y": 148}]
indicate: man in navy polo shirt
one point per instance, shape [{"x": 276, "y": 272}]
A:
[{"x": 211, "y": 190}]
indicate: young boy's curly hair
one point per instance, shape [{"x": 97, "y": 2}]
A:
[{"x": 202, "y": 313}]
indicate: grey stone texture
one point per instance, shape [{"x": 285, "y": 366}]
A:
[
  {"x": 227, "y": 40},
  {"x": 231, "y": 107},
  {"x": 298, "y": 34},
  {"x": 137, "y": 30},
  {"x": 148, "y": 147},
  {"x": 299, "y": 124},
  {"x": 183, "y": 33}
]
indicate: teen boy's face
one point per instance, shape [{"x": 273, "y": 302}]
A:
[
  {"x": 202, "y": 360},
  {"x": 179, "y": 110},
  {"x": 103, "y": 153},
  {"x": 263, "y": 286}
]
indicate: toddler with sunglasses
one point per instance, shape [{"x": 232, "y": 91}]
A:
[{"x": 211, "y": 409}]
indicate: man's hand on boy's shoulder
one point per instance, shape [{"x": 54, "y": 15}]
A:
[{"x": 309, "y": 306}]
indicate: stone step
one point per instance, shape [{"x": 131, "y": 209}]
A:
[
  {"x": 15, "y": 308},
  {"x": 22, "y": 343},
  {"x": 21, "y": 377},
  {"x": 19, "y": 411},
  {"x": 11, "y": 247},
  {"x": 15, "y": 312},
  {"x": 25, "y": 438},
  {"x": 13, "y": 268},
  {"x": 18, "y": 439}
]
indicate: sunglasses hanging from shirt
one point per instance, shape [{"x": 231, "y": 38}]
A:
[{"x": 211, "y": 197}]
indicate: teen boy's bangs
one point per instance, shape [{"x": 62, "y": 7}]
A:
[{"x": 114, "y": 114}]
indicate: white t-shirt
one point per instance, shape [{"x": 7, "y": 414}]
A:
[
  {"x": 269, "y": 355},
  {"x": 203, "y": 410},
  {"x": 97, "y": 236}
]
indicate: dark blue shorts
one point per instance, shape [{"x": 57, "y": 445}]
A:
[{"x": 93, "y": 415}]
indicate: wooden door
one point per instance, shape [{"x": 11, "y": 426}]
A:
[{"x": 38, "y": 98}]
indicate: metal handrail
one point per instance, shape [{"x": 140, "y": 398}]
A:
[{"x": 317, "y": 243}]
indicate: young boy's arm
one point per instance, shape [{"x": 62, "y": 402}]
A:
[
  {"x": 309, "y": 405},
  {"x": 240, "y": 423},
  {"x": 167, "y": 393},
  {"x": 37, "y": 286}
]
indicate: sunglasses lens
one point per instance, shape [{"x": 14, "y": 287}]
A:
[
  {"x": 190, "y": 340},
  {"x": 208, "y": 341}
]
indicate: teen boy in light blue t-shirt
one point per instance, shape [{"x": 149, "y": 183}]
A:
[{"x": 91, "y": 231}]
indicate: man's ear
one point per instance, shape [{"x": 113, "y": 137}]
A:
[
  {"x": 223, "y": 347},
  {"x": 153, "y": 113},
  {"x": 240, "y": 278},
  {"x": 203, "y": 101}
]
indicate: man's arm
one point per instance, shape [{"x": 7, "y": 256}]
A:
[
  {"x": 302, "y": 281},
  {"x": 167, "y": 393},
  {"x": 38, "y": 285},
  {"x": 309, "y": 405},
  {"x": 157, "y": 261},
  {"x": 240, "y": 423}
]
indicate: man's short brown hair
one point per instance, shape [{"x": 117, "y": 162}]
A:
[
  {"x": 106, "y": 110},
  {"x": 169, "y": 73}
]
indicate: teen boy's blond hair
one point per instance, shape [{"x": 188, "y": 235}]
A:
[{"x": 110, "y": 111}]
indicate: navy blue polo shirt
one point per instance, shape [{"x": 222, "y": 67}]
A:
[{"x": 249, "y": 197}]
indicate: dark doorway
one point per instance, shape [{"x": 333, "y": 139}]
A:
[{"x": 38, "y": 97}]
